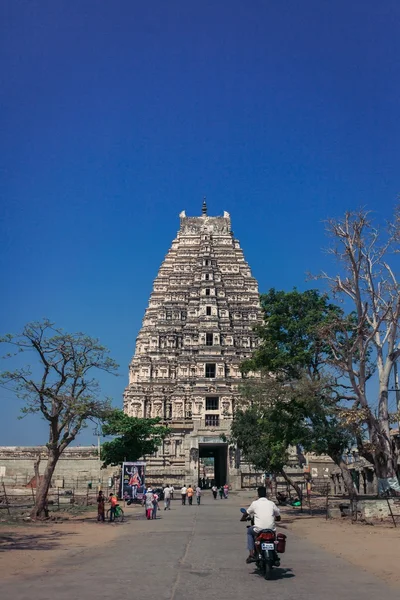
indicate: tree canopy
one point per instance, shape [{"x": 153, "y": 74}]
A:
[
  {"x": 135, "y": 437},
  {"x": 295, "y": 402},
  {"x": 290, "y": 341},
  {"x": 277, "y": 415},
  {"x": 267, "y": 424}
]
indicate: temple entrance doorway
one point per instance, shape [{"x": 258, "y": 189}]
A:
[{"x": 213, "y": 465}]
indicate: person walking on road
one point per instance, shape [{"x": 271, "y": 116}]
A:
[
  {"x": 172, "y": 491},
  {"x": 226, "y": 490},
  {"x": 221, "y": 492},
  {"x": 214, "y": 490},
  {"x": 149, "y": 503},
  {"x": 198, "y": 494},
  {"x": 183, "y": 494},
  {"x": 101, "y": 510},
  {"x": 167, "y": 497},
  {"x": 155, "y": 506},
  {"x": 190, "y": 493}
]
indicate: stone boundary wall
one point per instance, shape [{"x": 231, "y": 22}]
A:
[{"x": 77, "y": 467}]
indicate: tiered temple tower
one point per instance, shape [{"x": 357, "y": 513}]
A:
[{"x": 197, "y": 329}]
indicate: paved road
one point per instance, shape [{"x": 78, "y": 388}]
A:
[{"x": 195, "y": 551}]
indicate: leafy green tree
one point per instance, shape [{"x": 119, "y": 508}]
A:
[
  {"x": 59, "y": 385},
  {"x": 278, "y": 415},
  {"x": 134, "y": 439},
  {"x": 293, "y": 350},
  {"x": 328, "y": 433},
  {"x": 289, "y": 337},
  {"x": 267, "y": 425}
]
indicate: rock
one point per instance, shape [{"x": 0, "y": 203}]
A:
[{"x": 334, "y": 513}]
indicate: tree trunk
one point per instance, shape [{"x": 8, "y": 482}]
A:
[
  {"x": 385, "y": 459},
  {"x": 273, "y": 485},
  {"x": 40, "y": 509},
  {"x": 347, "y": 479},
  {"x": 385, "y": 455},
  {"x": 36, "y": 469},
  {"x": 294, "y": 485},
  {"x": 384, "y": 464}
]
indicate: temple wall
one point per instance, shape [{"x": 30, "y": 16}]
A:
[{"x": 77, "y": 467}]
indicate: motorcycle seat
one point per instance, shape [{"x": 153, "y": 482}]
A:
[{"x": 265, "y": 531}]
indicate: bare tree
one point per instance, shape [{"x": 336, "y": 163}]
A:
[
  {"x": 367, "y": 341},
  {"x": 60, "y": 387}
]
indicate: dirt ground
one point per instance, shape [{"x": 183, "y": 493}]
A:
[
  {"x": 31, "y": 548},
  {"x": 375, "y": 549}
]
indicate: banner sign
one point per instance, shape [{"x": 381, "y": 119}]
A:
[{"x": 133, "y": 480}]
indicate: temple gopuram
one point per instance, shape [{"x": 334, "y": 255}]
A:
[{"x": 197, "y": 330}]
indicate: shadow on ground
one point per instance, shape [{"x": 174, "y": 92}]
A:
[
  {"x": 32, "y": 541},
  {"x": 277, "y": 573},
  {"x": 287, "y": 519}
]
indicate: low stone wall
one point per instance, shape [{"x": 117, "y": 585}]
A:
[
  {"x": 370, "y": 509},
  {"x": 378, "y": 509},
  {"x": 76, "y": 468}
]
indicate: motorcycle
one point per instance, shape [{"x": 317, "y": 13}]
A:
[{"x": 268, "y": 544}]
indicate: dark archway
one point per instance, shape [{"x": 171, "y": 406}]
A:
[{"x": 219, "y": 454}]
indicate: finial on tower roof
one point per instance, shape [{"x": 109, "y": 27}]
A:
[{"x": 204, "y": 207}]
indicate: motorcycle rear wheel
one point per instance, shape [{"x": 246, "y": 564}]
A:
[{"x": 267, "y": 570}]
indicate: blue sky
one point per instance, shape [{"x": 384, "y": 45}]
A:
[{"x": 117, "y": 116}]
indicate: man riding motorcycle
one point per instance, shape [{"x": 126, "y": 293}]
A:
[{"x": 265, "y": 513}]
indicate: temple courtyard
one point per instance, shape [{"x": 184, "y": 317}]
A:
[{"x": 197, "y": 552}]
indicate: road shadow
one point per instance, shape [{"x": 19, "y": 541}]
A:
[
  {"x": 288, "y": 519},
  {"x": 32, "y": 541},
  {"x": 93, "y": 520},
  {"x": 277, "y": 573}
]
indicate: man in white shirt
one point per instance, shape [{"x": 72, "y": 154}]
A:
[
  {"x": 167, "y": 497},
  {"x": 198, "y": 494},
  {"x": 184, "y": 493},
  {"x": 264, "y": 512}
]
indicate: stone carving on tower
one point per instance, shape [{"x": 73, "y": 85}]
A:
[{"x": 196, "y": 331}]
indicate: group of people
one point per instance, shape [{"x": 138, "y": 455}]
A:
[
  {"x": 223, "y": 491},
  {"x": 189, "y": 492},
  {"x": 101, "y": 506},
  {"x": 151, "y": 504},
  {"x": 263, "y": 512},
  {"x": 151, "y": 499}
]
